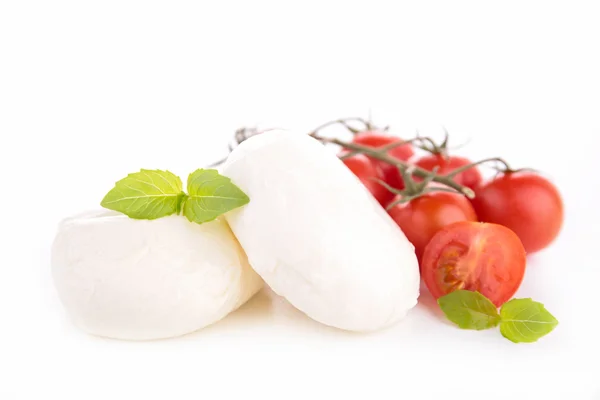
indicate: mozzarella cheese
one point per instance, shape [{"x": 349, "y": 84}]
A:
[
  {"x": 140, "y": 279},
  {"x": 317, "y": 236}
]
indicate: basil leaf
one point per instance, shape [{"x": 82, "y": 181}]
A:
[
  {"x": 148, "y": 194},
  {"x": 525, "y": 320},
  {"x": 469, "y": 310},
  {"x": 210, "y": 195}
]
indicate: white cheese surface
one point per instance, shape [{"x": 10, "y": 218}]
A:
[
  {"x": 139, "y": 279},
  {"x": 317, "y": 236}
]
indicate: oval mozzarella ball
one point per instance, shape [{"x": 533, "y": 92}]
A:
[
  {"x": 317, "y": 236},
  {"x": 148, "y": 279}
]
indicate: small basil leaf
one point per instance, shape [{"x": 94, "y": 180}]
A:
[
  {"x": 469, "y": 310},
  {"x": 525, "y": 321},
  {"x": 211, "y": 195},
  {"x": 148, "y": 194}
]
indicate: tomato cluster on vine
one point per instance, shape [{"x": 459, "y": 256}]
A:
[{"x": 477, "y": 241}]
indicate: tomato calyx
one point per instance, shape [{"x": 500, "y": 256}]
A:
[
  {"x": 431, "y": 146},
  {"x": 434, "y": 148},
  {"x": 505, "y": 169}
]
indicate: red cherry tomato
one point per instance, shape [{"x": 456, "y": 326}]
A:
[
  {"x": 376, "y": 140},
  {"x": 475, "y": 256},
  {"x": 526, "y": 203},
  {"x": 367, "y": 172},
  {"x": 470, "y": 178},
  {"x": 423, "y": 217}
]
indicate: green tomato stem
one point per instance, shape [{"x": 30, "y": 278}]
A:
[
  {"x": 403, "y": 167},
  {"x": 469, "y": 166}
]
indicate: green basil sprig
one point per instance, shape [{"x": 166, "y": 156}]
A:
[
  {"x": 151, "y": 194},
  {"x": 520, "y": 320}
]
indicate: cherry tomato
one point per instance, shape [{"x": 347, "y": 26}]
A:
[
  {"x": 376, "y": 140},
  {"x": 470, "y": 178},
  {"x": 526, "y": 203},
  {"x": 422, "y": 217},
  {"x": 475, "y": 256},
  {"x": 367, "y": 172}
]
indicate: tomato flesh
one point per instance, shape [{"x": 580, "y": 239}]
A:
[
  {"x": 475, "y": 256},
  {"x": 376, "y": 140},
  {"x": 423, "y": 217},
  {"x": 526, "y": 203},
  {"x": 368, "y": 173},
  {"x": 470, "y": 177}
]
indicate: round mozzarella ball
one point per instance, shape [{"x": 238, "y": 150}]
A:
[
  {"x": 148, "y": 279},
  {"x": 317, "y": 236}
]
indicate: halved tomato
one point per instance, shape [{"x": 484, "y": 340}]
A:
[{"x": 475, "y": 256}]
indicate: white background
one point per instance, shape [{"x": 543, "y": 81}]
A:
[{"x": 90, "y": 91}]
